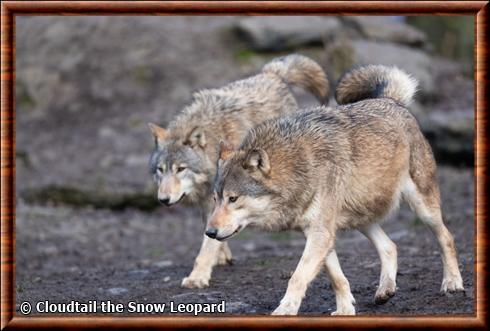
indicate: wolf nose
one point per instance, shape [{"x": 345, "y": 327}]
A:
[
  {"x": 212, "y": 233},
  {"x": 165, "y": 201}
]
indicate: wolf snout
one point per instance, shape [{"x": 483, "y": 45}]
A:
[
  {"x": 165, "y": 201},
  {"x": 212, "y": 233}
]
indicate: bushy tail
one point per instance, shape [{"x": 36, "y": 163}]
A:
[
  {"x": 376, "y": 81},
  {"x": 301, "y": 71}
]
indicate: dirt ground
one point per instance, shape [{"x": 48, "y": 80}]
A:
[{"x": 66, "y": 254}]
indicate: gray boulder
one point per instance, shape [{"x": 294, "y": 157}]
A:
[
  {"x": 343, "y": 54},
  {"x": 86, "y": 88},
  {"x": 286, "y": 32},
  {"x": 451, "y": 134},
  {"x": 380, "y": 28}
]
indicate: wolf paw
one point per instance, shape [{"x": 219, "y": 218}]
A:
[
  {"x": 347, "y": 311},
  {"x": 344, "y": 310},
  {"x": 225, "y": 262},
  {"x": 384, "y": 293},
  {"x": 189, "y": 282},
  {"x": 451, "y": 285},
  {"x": 345, "y": 306},
  {"x": 286, "y": 309}
]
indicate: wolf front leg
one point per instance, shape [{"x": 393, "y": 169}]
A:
[
  {"x": 224, "y": 256},
  {"x": 203, "y": 266},
  {"x": 318, "y": 244},
  {"x": 212, "y": 252}
]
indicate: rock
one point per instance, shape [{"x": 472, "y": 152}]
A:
[
  {"x": 163, "y": 264},
  {"x": 397, "y": 235},
  {"x": 117, "y": 290},
  {"x": 237, "y": 307},
  {"x": 249, "y": 246},
  {"x": 96, "y": 198},
  {"x": 283, "y": 33},
  {"x": 87, "y": 86},
  {"x": 138, "y": 273},
  {"x": 380, "y": 28},
  {"x": 450, "y": 134},
  {"x": 344, "y": 54}
]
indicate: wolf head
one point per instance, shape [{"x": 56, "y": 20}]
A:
[
  {"x": 241, "y": 193},
  {"x": 177, "y": 165}
]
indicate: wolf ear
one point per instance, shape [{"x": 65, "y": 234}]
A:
[
  {"x": 196, "y": 138},
  {"x": 158, "y": 132},
  {"x": 225, "y": 150},
  {"x": 258, "y": 159}
]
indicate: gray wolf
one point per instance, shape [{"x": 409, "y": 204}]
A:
[
  {"x": 328, "y": 169},
  {"x": 185, "y": 157}
]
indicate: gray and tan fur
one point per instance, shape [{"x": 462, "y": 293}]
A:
[
  {"x": 185, "y": 157},
  {"x": 328, "y": 169}
]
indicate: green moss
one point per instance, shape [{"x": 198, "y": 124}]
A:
[
  {"x": 142, "y": 75},
  {"x": 280, "y": 236},
  {"x": 245, "y": 235},
  {"x": 416, "y": 222},
  {"x": 264, "y": 263},
  {"x": 135, "y": 121},
  {"x": 24, "y": 158},
  {"x": 341, "y": 59},
  {"x": 243, "y": 55},
  {"x": 23, "y": 98},
  {"x": 452, "y": 36},
  {"x": 157, "y": 252}
]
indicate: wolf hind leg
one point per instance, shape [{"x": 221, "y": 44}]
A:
[
  {"x": 426, "y": 206},
  {"x": 225, "y": 257},
  {"x": 387, "y": 252},
  {"x": 343, "y": 295}
]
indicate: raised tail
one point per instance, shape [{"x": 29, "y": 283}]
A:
[
  {"x": 301, "y": 71},
  {"x": 376, "y": 81}
]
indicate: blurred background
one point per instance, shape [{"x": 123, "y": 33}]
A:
[{"x": 86, "y": 87}]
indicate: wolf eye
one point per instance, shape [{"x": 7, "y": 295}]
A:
[
  {"x": 160, "y": 170},
  {"x": 180, "y": 169},
  {"x": 232, "y": 199}
]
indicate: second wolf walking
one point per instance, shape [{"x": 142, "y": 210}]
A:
[{"x": 328, "y": 169}]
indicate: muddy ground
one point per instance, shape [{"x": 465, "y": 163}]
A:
[{"x": 66, "y": 254}]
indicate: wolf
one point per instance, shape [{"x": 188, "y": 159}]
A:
[
  {"x": 324, "y": 170},
  {"x": 185, "y": 157}
]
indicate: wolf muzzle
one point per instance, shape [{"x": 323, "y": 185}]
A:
[
  {"x": 212, "y": 233},
  {"x": 165, "y": 201}
]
